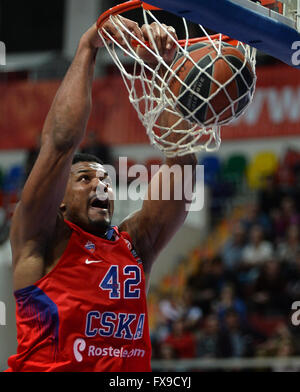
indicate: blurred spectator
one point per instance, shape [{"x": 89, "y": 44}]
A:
[
  {"x": 208, "y": 282},
  {"x": 159, "y": 333},
  {"x": 285, "y": 179},
  {"x": 227, "y": 301},
  {"x": 234, "y": 340},
  {"x": 283, "y": 217},
  {"x": 269, "y": 294},
  {"x": 170, "y": 308},
  {"x": 257, "y": 250},
  {"x": 279, "y": 344},
  {"x": 286, "y": 216},
  {"x": 203, "y": 290},
  {"x": 277, "y": 227},
  {"x": 207, "y": 341},
  {"x": 182, "y": 341},
  {"x": 282, "y": 332},
  {"x": 291, "y": 159},
  {"x": 289, "y": 215},
  {"x": 293, "y": 279},
  {"x": 254, "y": 217},
  {"x": 233, "y": 248},
  {"x": 287, "y": 250},
  {"x": 94, "y": 147},
  {"x": 190, "y": 313},
  {"x": 269, "y": 197},
  {"x": 167, "y": 352}
]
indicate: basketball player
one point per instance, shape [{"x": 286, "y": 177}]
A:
[{"x": 80, "y": 284}]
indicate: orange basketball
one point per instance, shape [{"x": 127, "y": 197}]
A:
[{"x": 203, "y": 100}]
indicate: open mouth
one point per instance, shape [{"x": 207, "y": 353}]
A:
[{"x": 100, "y": 204}]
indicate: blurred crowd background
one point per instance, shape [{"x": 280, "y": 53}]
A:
[{"x": 232, "y": 296}]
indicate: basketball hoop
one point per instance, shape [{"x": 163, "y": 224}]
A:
[{"x": 150, "y": 92}]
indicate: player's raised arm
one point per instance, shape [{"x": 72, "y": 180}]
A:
[
  {"x": 164, "y": 209},
  {"x": 36, "y": 216},
  {"x": 167, "y": 201}
]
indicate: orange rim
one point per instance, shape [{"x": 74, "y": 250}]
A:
[{"x": 134, "y": 4}]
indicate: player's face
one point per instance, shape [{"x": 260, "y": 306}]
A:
[{"x": 89, "y": 197}]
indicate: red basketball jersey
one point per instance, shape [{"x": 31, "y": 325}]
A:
[{"x": 89, "y": 314}]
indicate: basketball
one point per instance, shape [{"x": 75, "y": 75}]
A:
[{"x": 218, "y": 94}]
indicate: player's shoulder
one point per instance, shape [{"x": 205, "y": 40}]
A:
[
  {"x": 34, "y": 257},
  {"x": 131, "y": 225},
  {"x": 37, "y": 242},
  {"x": 140, "y": 237}
]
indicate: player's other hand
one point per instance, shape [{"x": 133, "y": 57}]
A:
[
  {"x": 160, "y": 42},
  {"x": 119, "y": 31},
  {"x": 120, "y": 28}
]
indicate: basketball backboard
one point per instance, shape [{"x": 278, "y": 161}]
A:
[{"x": 271, "y": 26}]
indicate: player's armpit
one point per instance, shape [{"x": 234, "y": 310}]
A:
[
  {"x": 167, "y": 201},
  {"x": 164, "y": 209}
]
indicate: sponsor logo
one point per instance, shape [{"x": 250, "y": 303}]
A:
[
  {"x": 93, "y": 261},
  {"x": 80, "y": 347}
]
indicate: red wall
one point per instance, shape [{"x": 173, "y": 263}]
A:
[{"x": 24, "y": 106}]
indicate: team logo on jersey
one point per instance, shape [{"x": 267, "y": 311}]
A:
[
  {"x": 90, "y": 246},
  {"x": 87, "y": 261}
]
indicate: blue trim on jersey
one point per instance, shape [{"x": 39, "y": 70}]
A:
[
  {"x": 111, "y": 234},
  {"x": 35, "y": 305}
]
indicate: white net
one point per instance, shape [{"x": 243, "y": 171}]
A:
[{"x": 179, "y": 117}]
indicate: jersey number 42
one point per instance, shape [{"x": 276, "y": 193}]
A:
[{"x": 111, "y": 282}]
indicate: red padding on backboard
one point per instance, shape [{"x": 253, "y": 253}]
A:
[{"x": 150, "y": 7}]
